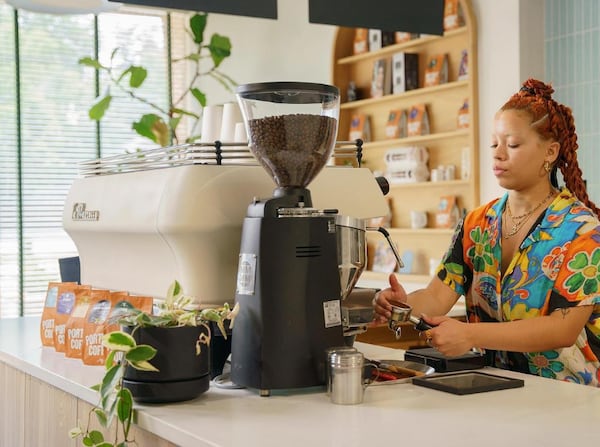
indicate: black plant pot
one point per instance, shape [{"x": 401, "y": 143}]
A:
[{"x": 182, "y": 375}]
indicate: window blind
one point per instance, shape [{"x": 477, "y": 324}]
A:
[{"x": 45, "y": 131}]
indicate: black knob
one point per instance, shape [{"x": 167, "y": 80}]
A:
[{"x": 384, "y": 185}]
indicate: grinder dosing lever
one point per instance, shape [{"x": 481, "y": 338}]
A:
[{"x": 401, "y": 313}]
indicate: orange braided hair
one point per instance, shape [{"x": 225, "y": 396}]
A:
[{"x": 553, "y": 121}]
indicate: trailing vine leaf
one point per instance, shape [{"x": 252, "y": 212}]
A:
[
  {"x": 124, "y": 409},
  {"x": 118, "y": 341},
  {"x": 163, "y": 130},
  {"x": 220, "y": 48},
  {"x": 90, "y": 62},
  {"x": 137, "y": 76},
  {"x": 200, "y": 97},
  {"x": 197, "y": 26},
  {"x": 116, "y": 401},
  {"x": 152, "y": 126},
  {"x": 99, "y": 108}
]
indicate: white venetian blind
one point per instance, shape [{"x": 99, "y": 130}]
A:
[
  {"x": 44, "y": 98},
  {"x": 9, "y": 234}
]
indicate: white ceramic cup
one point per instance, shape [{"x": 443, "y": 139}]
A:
[
  {"x": 418, "y": 219},
  {"x": 211, "y": 123},
  {"x": 240, "y": 133},
  {"x": 231, "y": 116}
]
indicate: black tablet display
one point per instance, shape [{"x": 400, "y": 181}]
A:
[{"x": 467, "y": 382}]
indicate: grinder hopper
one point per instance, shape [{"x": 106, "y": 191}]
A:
[{"x": 291, "y": 128}]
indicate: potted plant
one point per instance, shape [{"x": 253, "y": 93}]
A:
[
  {"x": 181, "y": 368},
  {"x": 161, "y": 124}
]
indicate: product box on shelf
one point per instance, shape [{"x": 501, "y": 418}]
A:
[
  {"x": 361, "y": 41},
  {"x": 407, "y": 155},
  {"x": 407, "y": 164},
  {"x": 402, "y": 37},
  {"x": 405, "y": 72},
  {"x": 462, "y": 121},
  {"x": 380, "y": 79},
  {"x": 396, "y": 124},
  {"x": 360, "y": 127},
  {"x": 448, "y": 213},
  {"x": 375, "y": 42},
  {"x": 436, "y": 72},
  {"x": 463, "y": 68},
  {"x": 453, "y": 15},
  {"x": 417, "y": 121}
]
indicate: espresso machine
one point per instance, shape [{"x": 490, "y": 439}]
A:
[{"x": 290, "y": 281}]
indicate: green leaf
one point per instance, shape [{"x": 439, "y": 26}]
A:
[
  {"x": 101, "y": 416},
  {"x": 96, "y": 436},
  {"x": 118, "y": 341},
  {"x": 124, "y": 406},
  {"x": 140, "y": 353},
  {"x": 97, "y": 111},
  {"x": 110, "y": 360},
  {"x": 143, "y": 366},
  {"x": 110, "y": 381},
  {"x": 87, "y": 441},
  {"x": 91, "y": 62},
  {"x": 153, "y": 127},
  {"x": 138, "y": 75},
  {"x": 197, "y": 26},
  {"x": 200, "y": 97},
  {"x": 220, "y": 48},
  {"x": 145, "y": 124},
  {"x": 75, "y": 432}
]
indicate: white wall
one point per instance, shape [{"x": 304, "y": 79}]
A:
[
  {"x": 287, "y": 49},
  {"x": 510, "y": 49}
]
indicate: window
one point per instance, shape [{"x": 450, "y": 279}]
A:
[{"x": 45, "y": 129}]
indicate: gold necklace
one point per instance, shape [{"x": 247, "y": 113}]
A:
[{"x": 519, "y": 221}]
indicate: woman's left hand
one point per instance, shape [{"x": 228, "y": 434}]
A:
[{"x": 449, "y": 336}]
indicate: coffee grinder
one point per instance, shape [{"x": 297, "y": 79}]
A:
[{"x": 288, "y": 283}]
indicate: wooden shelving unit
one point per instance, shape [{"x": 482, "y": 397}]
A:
[{"x": 445, "y": 143}]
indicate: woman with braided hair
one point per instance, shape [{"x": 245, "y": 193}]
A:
[{"x": 528, "y": 263}]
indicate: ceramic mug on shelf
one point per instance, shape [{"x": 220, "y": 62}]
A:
[{"x": 418, "y": 219}]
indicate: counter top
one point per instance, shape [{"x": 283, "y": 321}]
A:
[{"x": 543, "y": 412}]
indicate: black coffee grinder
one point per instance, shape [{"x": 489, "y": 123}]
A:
[{"x": 288, "y": 283}]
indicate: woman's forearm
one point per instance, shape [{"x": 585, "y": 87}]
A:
[{"x": 558, "y": 330}]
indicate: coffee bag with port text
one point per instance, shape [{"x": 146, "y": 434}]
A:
[
  {"x": 65, "y": 304},
  {"x": 49, "y": 312}
]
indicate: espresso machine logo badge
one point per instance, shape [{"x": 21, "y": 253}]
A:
[{"x": 80, "y": 213}]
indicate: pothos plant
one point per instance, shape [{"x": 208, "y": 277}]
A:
[
  {"x": 160, "y": 125},
  {"x": 116, "y": 401}
]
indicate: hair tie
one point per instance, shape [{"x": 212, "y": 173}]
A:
[{"x": 528, "y": 90}]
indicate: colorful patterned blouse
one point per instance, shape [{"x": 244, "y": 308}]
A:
[{"x": 556, "y": 266}]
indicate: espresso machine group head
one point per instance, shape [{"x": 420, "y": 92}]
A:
[{"x": 288, "y": 283}]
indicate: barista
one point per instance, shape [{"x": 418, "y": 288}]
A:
[{"x": 528, "y": 263}]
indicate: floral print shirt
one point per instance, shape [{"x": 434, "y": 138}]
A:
[{"x": 557, "y": 266}]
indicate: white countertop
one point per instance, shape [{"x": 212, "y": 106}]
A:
[{"x": 543, "y": 412}]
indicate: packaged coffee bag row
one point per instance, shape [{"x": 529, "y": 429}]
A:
[{"x": 76, "y": 317}]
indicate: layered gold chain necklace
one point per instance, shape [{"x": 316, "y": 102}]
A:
[{"x": 519, "y": 221}]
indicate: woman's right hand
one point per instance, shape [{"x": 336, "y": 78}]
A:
[{"x": 381, "y": 302}]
